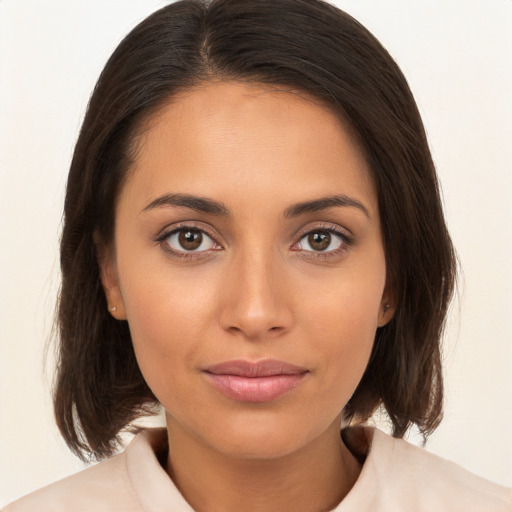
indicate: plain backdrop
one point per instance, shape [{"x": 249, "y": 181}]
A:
[{"x": 457, "y": 56}]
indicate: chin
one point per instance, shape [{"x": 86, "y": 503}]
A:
[
  {"x": 266, "y": 436},
  {"x": 255, "y": 446}
]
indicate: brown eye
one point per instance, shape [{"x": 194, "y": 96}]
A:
[
  {"x": 189, "y": 240},
  {"x": 321, "y": 241}
]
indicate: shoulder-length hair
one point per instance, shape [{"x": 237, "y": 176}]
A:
[{"x": 304, "y": 45}]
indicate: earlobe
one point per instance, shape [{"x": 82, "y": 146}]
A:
[
  {"x": 109, "y": 279},
  {"x": 386, "y": 313},
  {"x": 387, "y": 306}
]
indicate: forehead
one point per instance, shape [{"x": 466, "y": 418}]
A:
[{"x": 229, "y": 138}]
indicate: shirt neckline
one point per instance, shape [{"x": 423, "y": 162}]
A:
[{"x": 156, "y": 490}]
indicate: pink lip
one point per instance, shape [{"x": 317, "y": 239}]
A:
[{"x": 261, "y": 381}]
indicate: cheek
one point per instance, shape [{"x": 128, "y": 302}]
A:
[
  {"x": 347, "y": 339},
  {"x": 343, "y": 322},
  {"x": 168, "y": 314}
]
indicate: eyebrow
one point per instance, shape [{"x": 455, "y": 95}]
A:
[
  {"x": 323, "y": 203},
  {"x": 210, "y": 206},
  {"x": 199, "y": 204}
]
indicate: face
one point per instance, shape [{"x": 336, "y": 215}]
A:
[{"x": 249, "y": 263}]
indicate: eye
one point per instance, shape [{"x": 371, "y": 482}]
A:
[
  {"x": 323, "y": 241},
  {"x": 189, "y": 240}
]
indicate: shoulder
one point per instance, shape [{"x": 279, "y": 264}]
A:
[
  {"x": 436, "y": 482},
  {"x": 132, "y": 481},
  {"x": 406, "y": 477},
  {"x": 96, "y": 488}
]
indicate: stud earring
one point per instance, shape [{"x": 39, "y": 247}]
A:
[
  {"x": 385, "y": 307},
  {"x": 112, "y": 309}
]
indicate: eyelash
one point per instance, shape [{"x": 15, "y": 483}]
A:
[
  {"x": 346, "y": 242},
  {"x": 184, "y": 255}
]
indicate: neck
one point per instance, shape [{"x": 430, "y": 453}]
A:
[{"x": 314, "y": 478}]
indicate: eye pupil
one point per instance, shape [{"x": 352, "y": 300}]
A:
[
  {"x": 190, "y": 240},
  {"x": 319, "y": 240}
]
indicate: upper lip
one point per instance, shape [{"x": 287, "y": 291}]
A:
[{"x": 264, "y": 368}]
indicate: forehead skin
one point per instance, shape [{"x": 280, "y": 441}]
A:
[{"x": 230, "y": 122}]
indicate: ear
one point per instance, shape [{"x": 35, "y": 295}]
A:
[
  {"x": 105, "y": 254},
  {"x": 387, "y": 306}
]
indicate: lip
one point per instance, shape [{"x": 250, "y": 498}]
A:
[{"x": 261, "y": 381}]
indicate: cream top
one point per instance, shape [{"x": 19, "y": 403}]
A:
[{"x": 396, "y": 477}]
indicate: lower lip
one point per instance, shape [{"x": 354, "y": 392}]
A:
[{"x": 255, "y": 389}]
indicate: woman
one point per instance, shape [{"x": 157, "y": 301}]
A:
[{"x": 253, "y": 239}]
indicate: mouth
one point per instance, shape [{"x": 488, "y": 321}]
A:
[{"x": 256, "y": 382}]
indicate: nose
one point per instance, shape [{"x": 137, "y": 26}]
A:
[{"x": 256, "y": 301}]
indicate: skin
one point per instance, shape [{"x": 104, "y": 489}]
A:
[{"x": 256, "y": 289}]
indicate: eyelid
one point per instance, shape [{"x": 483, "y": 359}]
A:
[
  {"x": 182, "y": 225},
  {"x": 324, "y": 226},
  {"x": 347, "y": 240},
  {"x": 168, "y": 231},
  {"x": 344, "y": 234}
]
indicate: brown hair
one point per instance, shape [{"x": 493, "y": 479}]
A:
[{"x": 305, "y": 45}]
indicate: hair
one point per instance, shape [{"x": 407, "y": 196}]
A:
[{"x": 308, "y": 46}]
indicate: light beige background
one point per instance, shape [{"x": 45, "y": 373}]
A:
[{"x": 457, "y": 55}]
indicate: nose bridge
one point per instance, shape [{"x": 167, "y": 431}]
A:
[{"x": 256, "y": 304}]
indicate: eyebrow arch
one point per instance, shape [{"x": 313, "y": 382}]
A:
[
  {"x": 199, "y": 204},
  {"x": 323, "y": 203},
  {"x": 210, "y": 206}
]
